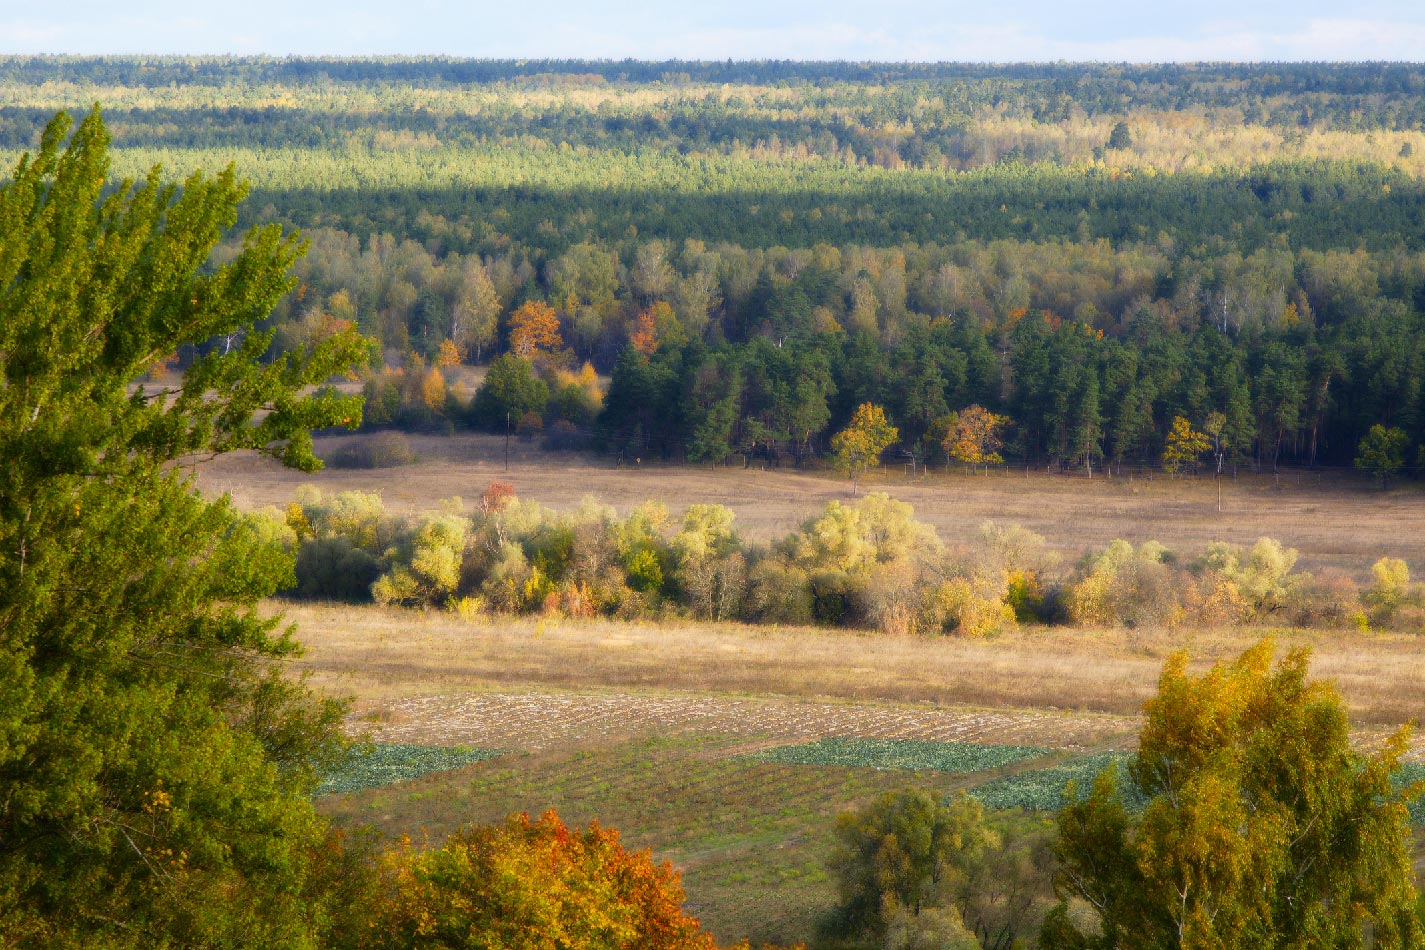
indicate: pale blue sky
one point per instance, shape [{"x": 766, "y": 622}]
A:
[{"x": 1011, "y": 30}]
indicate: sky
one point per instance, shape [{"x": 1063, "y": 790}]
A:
[{"x": 893, "y": 30}]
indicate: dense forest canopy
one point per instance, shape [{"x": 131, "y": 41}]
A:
[{"x": 752, "y": 250}]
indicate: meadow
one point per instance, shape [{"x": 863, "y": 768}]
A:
[
  {"x": 1333, "y": 518},
  {"x": 729, "y": 749}
]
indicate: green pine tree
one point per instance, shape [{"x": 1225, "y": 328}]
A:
[{"x": 155, "y": 763}]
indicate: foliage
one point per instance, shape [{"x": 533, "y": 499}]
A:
[
  {"x": 510, "y": 391},
  {"x": 1262, "y": 575},
  {"x": 1185, "y": 446},
  {"x": 974, "y": 436},
  {"x": 534, "y": 331},
  {"x": 1382, "y": 452},
  {"x": 532, "y": 885},
  {"x": 858, "y": 447},
  {"x": 898, "y": 853},
  {"x": 385, "y": 763},
  {"x": 155, "y": 760},
  {"x": 1264, "y": 828}
]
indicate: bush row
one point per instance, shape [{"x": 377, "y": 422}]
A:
[{"x": 867, "y": 563}]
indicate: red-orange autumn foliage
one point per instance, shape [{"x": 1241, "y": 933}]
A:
[
  {"x": 532, "y": 885},
  {"x": 974, "y": 436},
  {"x": 534, "y": 329},
  {"x": 645, "y": 333}
]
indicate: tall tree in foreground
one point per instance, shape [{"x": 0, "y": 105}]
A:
[
  {"x": 155, "y": 764},
  {"x": 1263, "y": 829}
]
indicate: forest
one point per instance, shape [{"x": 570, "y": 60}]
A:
[{"x": 1090, "y": 251}]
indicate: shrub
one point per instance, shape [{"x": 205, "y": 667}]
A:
[
  {"x": 1262, "y": 574},
  {"x": 1389, "y": 590},
  {"x": 381, "y": 450},
  {"x": 972, "y": 607},
  {"x": 1119, "y": 585},
  {"x": 778, "y": 592},
  {"x": 335, "y": 569}
]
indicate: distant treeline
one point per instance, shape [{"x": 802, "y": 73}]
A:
[
  {"x": 752, "y": 250},
  {"x": 1349, "y": 93},
  {"x": 716, "y": 350}
]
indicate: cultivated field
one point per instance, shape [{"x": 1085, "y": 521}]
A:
[
  {"x": 648, "y": 728},
  {"x": 656, "y": 729},
  {"x": 1334, "y": 520}
]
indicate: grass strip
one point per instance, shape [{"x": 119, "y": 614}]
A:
[
  {"x": 389, "y": 763},
  {"x": 900, "y": 754}
]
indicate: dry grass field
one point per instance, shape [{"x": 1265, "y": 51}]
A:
[
  {"x": 1335, "y": 521},
  {"x": 645, "y": 727}
]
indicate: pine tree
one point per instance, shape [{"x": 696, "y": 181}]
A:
[{"x": 155, "y": 763}]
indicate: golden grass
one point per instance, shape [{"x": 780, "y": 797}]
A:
[
  {"x": 1334, "y": 521},
  {"x": 382, "y": 655}
]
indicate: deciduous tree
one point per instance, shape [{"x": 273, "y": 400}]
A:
[
  {"x": 1382, "y": 453},
  {"x": 859, "y": 446},
  {"x": 534, "y": 330},
  {"x": 1185, "y": 446},
  {"x": 1264, "y": 827},
  {"x": 533, "y": 885},
  {"x": 975, "y": 436}
]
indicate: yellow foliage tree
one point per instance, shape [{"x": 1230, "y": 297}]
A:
[
  {"x": 449, "y": 354},
  {"x": 859, "y": 446},
  {"x": 433, "y": 390},
  {"x": 1184, "y": 447}
]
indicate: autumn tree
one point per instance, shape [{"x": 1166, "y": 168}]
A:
[
  {"x": 858, "y": 447},
  {"x": 532, "y": 885},
  {"x": 1184, "y": 446},
  {"x": 156, "y": 763},
  {"x": 1264, "y": 826},
  {"x": 534, "y": 330},
  {"x": 644, "y": 337},
  {"x": 974, "y": 436}
]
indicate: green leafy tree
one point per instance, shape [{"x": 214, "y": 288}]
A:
[
  {"x": 859, "y": 446},
  {"x": 1382, "y": 453},
  {"x": 155, "y": 764},
  {"x": 1264, "y": 828},
  {"x": 899, "y": 855},
  {"x": 510, "y": 390}
]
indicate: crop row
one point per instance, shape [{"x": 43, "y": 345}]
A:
[
  {"x": 388, "y": 763},
  {"x": 901, "y": 754}
]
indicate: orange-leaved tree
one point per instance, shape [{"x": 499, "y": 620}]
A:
[
  {"x": 974, "y": 436},
  {"x": 532, "y": 885},
  {"x": 534, "y": 330}
]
